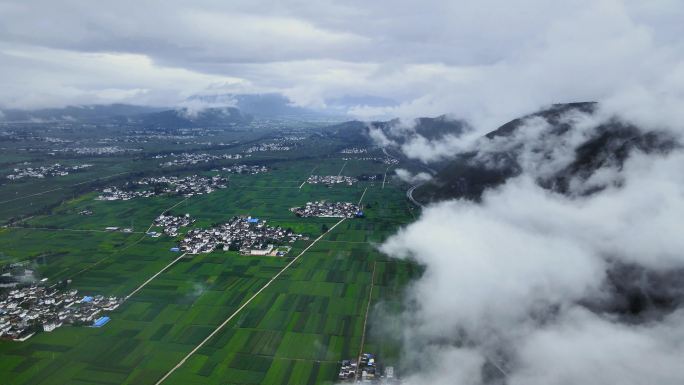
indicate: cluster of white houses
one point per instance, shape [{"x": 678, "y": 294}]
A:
[
  {"x": 366, "y": 370},
  {"x": 294, "y": 138},
  {"x": 45, "y": 171},
  {"x": 170, "y": 224},
  {"x": 386, "y": 160},
  {"x": 114, "y": 193},
  {"x": 263, "y": 147},
  {"x": 106, "y": 150},
  {"x": 246, "y": 234},
  {"x": 151, "y": 186},
  {"x": 354, "y": 150},
  {"x": 188, "y": 158},
  {"x": 34, "y": 308},
  {"x": 245, "y": 169},
  {"x": 328, "y": 210},
  {"x": 331, "y": 179}
]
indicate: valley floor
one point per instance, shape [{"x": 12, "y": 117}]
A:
[{"x": 217, "y": 318}]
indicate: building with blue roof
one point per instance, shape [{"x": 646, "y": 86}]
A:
[{"x": 101, "y": 322}]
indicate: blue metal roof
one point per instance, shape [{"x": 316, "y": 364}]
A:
[{"x": 101, "y": 322}]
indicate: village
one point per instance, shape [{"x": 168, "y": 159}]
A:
[
  {"x": 328, "y": 210},
  {"x": 354, "y": 150},
  {"x": 28, "y": 310},
  {"x": 331, "y": 179},
  {"x": 107, "y": 150},
  {"x": 263, "y": 147},
  {"x": 170, "y": 224},
  {"x": 45, "y": 171},
  {"x": 245, "y": 169},
  {"x": 386, "y": 160},
  {"x": 366, "y": 370},
  {"x": 250, "y": 236},
  {"x": 186, "y": 186},
  {"x": 188, "y": 158}
]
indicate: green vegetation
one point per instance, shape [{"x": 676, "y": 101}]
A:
[{"x": 294, "y": 332}]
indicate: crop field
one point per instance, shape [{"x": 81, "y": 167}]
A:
[
  {"x": 293, "y": 332},
  {"x": 30, "y": 194}
]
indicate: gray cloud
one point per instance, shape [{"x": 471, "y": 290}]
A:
[
  {"x": 482, "y": 60},
  {"x": 585, "y": 348},
  {"x": 505, "y": 278},
  {"x": 409, "y": 177}
]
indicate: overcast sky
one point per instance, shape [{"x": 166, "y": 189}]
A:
[{"x": 484, "y": 60}]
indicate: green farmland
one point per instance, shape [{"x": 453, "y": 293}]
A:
[{"x": 293, "y": 332}]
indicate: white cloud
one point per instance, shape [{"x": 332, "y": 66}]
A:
[
  {"x": 51, "y": 77},
  {"x": 479, "y": 60},
  {"x": 584, "y": 348},
  {"x": 504, "y": 277},
  {"x": 409, "y": 177}
]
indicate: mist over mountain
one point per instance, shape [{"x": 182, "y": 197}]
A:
[
  {"x": 262, "y": 105},
  {"x": 403, "y": 137},
  {"x": 196, "y": 109},
  {"x": 536, "y": 138},
  {"x": 562, "y": 231},
  {"x": 275, "y": 105},
  {"x": 95, "y": 112},
  {"x": 186, "y": 118}
]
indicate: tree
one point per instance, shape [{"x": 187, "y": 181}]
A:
[{"x": 324, "y": 228}]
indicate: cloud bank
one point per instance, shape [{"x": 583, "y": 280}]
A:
[
  {"x": 509, "y": 280},
  {"x": 409, "y": 177},
  {"x": 479, "y": 60}
]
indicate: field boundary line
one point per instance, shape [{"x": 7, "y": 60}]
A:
[
  {"x": 362, "y": 195},
  {"x": 236, "y": 312},
  {"x": 343, "y": 166},
  {"x": 77, "y": 230},
  {"x": 365, "y": 321},
  {"x": 127, "y": 246},
  {"x": 307, "y": 178},
  {"x": 153, "y": 277},
  {"x": 62, "y": 188},
  {"x": 164, "y": 212},
  {"x": 385, "y": 177}
]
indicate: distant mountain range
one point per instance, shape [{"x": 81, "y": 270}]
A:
[
  {"x": 267, "y": 105},
  {"x": 270, "y": 105},
  {"x": 153, "y": 117},
  {"x": 276, "y": 105},
  {"x": 186, "y": 118},
  {"x": 77, "y": 113}
]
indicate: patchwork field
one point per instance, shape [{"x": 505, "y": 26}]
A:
[{"x": 293, "y": 332}]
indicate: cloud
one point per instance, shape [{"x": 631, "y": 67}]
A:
[
  {"x": 41, "y": 77},
  {"x": 585, "y": 348},
  {"x": 193, "y": 106},
  {"x": 409, "y": 177},
  {"x": 407, "y": 136},
  {"x": 475, "y": 59},
  {"x": 506, "y": 278},
  {"x": 429, "y": 151}
]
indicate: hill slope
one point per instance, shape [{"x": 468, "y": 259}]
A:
[{"x": 549, "y": 144}]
